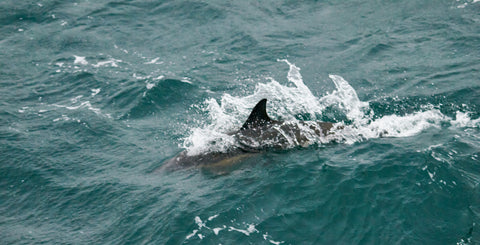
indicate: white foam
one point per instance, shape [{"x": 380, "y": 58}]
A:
[
  {"x": 218, "y": 229},
  {"x": 347, "y": 99},
  {"x": 212, "y": 217},
  {"x": 200, "y": 225},
  {"x": 80, "y": 60},
  {"x": 463, "y": 119},
  {"x": 295, "y": 98},
  {"x": 111, "y": 62},
  {"x": 159, "y": 77},
  {"x": 402, "y": 126},
  {"x": 266, "y": 238},
  {"x": 192, "y": 234},
  {"x": 150, "y": 85},
  {"x": 155, "y": 61},
  {"x": 186, "y": 80},
  {"x": 63, "y": 118},
  {"x": 212, "y": 137},
  {"x": 250, "y": 229},
  {"x": 199, "y": 222},
  {"x": 203, "y": 231},
  {"x": 95, "y": 91},
  {"x": 83, "y": 105},
  {"x": 207, "y": 140},
  {"x": 23, "y": 109},
  {"x": 140, "y": 77}
]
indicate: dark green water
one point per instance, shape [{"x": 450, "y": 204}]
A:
[{"x": 96, "y": 95}]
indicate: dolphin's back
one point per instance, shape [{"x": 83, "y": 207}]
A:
[
  {"x": 259, "y": 132},
  {"x": 212, "y": 160}
]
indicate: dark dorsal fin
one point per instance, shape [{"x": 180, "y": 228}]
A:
[{"x": 258, "y": 117}]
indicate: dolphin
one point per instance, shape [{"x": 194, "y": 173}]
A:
[{"x": 258, "y": 133}]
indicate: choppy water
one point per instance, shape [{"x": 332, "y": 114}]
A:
[{"x": 96, "y": 95}]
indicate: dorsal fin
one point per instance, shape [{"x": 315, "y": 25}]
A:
[{"x": 258, "y": 116}]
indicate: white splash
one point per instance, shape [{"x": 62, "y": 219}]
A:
[
  {"x": 463, "y": 119},
  {"x": 200, "y": 225},
  {"x": 218, "y": 229},
  {"x": 402, "y": 126},
  {"x": 150, "y": 85},
  {"x": 140, "y": 77},
  {"x": 80, "y": 60},
  {"x": 266, "y": 238},
  {"x": 347, "y": 99},
  {"x": 95, "y": 91},
  {"x": 295, "y": 98},
  {"x": 250, "y": 229},
  {"x": 159, "y": 77},
  {"x": 155, "y": 61},
  {"x": 203, "y": 231},
  {"x": 192, "y": 234},
  {"x": 111, "y": 62},
  {"x": 212, "y": 217},
  {"x": 23, "y": 109}
]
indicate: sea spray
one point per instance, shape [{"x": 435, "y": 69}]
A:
[{"x": 295, "y": 98}]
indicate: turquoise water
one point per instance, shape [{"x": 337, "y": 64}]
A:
[{"x": 97, "y": 95}]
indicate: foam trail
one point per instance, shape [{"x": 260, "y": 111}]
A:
[
  {"x": 405, "y": 126},
  {"x": 391, "y": 126}
]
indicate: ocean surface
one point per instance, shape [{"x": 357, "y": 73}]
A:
[{"x": 95, "y": 97}]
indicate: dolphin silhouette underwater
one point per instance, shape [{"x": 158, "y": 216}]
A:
[{"x": 258, "y": 133}]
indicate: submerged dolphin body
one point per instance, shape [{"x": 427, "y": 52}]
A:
[{"x": 258, "y": 133}]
